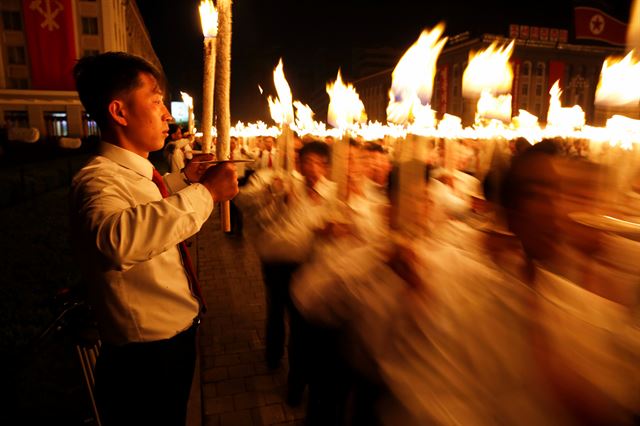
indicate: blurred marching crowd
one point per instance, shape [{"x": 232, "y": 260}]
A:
[{"x": 500, "y": 300}]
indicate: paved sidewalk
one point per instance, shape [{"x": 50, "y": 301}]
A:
[{"x": 237, "y": 387}]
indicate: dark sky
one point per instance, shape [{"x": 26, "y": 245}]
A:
[{"x": 314, "y": 38}]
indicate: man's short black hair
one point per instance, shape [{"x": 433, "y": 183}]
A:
[
  {"x": 315, "y": 147},
  {"x": 101, "y": 78}
]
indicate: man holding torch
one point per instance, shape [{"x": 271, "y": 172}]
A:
[{"x": 129, "y": 224}]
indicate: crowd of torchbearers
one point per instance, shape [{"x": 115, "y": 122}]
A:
[
  {"x": 438, "y": 274},
  {"x": 444, "y": 291}
]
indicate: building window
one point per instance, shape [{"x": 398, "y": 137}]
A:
[
  {"x": 18, "y": 83},
  {"x": 89, "y": 25},
  {"x": 540, "y": 69},
  {"x": 56, "y": 123},
  {"x": 89, "y": 125},
  {"x": 11, "y": 20},
  {"x": 538, "y": 89},
  {"x": 16, "y": 118},
  {"x": 526, "y": 68},
  {"x": 16, "y": 55},
  {"x": 525, "y": 89},
  {"x": 90, "y": 52}
]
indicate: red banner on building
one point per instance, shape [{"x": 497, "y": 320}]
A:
[
  {"x": 594, "y": 24},
  {"x": 515, "y": 86},
  {"x": 51, "y": 43},
  {"x": 556, "y": 72},
  {"x": 443, "y": 89}
]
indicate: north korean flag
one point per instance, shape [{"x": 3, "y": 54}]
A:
[{"x": 593, "y": 24}]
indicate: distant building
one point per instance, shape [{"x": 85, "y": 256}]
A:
[
  {"x": 540, "y": 57},
  {"x": 41, "y": 40}
]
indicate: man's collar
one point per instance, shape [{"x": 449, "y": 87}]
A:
[{"x": 127, "y": 159}]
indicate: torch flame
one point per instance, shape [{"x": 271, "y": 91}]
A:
[
  {"x": 560, "y": 117},
  {"x": 489, "y": 70},
  {"x": 412, "y": 80},
  {"x": 345, "y": 106},
  {"x": 282, "y": 107},
  {"x": 188, "y": 100},
  {"x": 619, "y": 83},
  {"x": 304, "y": 119},
  {"x": 209, "y": 18},
  {"x": 494, "y": 107}
]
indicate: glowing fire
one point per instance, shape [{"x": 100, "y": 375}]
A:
[
  {"x": 281, "y": 107},
  {"x": 305, "y": 123},
  {"x": 209, "y": 18},
  {"x": 188, "y": 100},
  {"x": 488, "y": 70},
  {"x": 494, "y": 107},
  {"x": 619, "y": 83},
  {"x": 560, "y": 117},
  {"x": 412, "y": 80},
  {"x": 345, "y": 106}
]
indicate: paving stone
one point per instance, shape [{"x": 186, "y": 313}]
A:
[
  {"x": 268, "y": 414},
  {"x": 215, "y": 374},
  {"x": 243, "y": 370},
  {"x": 237, "y": 387},
  {"x": 237, "y": 418},
  {"x": 248, "y": 400},
  {"x": 212, "y": 420},
  {"x": 218, "y": 405},
  {"x": 231, "y": 386}
]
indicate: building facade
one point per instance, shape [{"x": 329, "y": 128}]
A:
[
  {"x": 32, "y": 95},
  {"x": 536, "y": 64}
]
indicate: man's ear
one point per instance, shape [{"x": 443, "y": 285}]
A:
[{"x": 117, "y": 112}]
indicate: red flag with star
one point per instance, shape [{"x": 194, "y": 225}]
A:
[
  {"x": 51, "y": 43},
  {"x": 594, "y": 24}
]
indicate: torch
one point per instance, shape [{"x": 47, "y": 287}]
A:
[
  {"x": 209, "y": 20},
  {"x": 188, "y": 100},
  {"x": 223, "y": 85}
]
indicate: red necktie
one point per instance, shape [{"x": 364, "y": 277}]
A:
[
  {"x": 270, "y": 165},
  {"x": 194, "y": 286}
]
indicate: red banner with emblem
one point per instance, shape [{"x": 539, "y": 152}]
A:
[
  {"x": 515, "y": 86},
  {"x": 443, "y": 89},
  {"x": 49, "y": 29},
  {"x": 556, "y": 72},
  {"x": 594, "y": 24}
]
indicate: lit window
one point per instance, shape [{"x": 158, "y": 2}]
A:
[
  {"x": 56, "y": 123},
  {"x": 89, "y": 125}
]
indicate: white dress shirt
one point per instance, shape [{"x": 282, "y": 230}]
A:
[{"x": 127, "y": 237}]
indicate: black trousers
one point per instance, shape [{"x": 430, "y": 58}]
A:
[{"x": 146, "y": 383}]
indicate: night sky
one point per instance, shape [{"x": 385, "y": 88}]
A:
[{"x": 316, "y": 38}]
